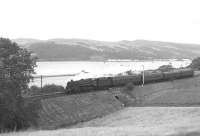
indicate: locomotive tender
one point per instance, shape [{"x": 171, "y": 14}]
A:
[{"x": 103, "y": 83}]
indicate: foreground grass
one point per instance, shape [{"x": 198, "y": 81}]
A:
[
  {"x": 105, "y": 132},
  {"x": 141, "y": 121},
  {"x": 111, "y": 131}
]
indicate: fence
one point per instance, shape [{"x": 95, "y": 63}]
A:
[{"x": 41, "y": 80}]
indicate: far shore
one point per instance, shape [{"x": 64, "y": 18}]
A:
[{"x": 113, "y": 60}]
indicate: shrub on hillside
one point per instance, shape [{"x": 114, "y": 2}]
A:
[
  {"x": 46, "y": 89},
  {"x": 32, "y": 90},
  {"x": 165, "y": 68},
  {"x": 129, "y": 72},
  {"x": 30, "y": 112},
  {"x": 126, "y": 73},
  {"x": 52, "y": 88},
  {"x": 35, "y": 88},
  {"x": 128, "y": 88},
  {"x": 195, "y": 63}
]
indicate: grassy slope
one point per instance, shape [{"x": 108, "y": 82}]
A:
[
  {"x": 128, "y": 121},
  {"x": 149, "y": 117},
  {"x": 67, "y": 110},
  {"x": 184, "y": 92},
  {"x": 145, "y": 121}
]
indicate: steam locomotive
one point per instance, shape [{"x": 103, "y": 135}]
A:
[{"x": 103, "y": 83}]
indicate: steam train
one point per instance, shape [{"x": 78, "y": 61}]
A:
[{"x": 103, "y": 83}]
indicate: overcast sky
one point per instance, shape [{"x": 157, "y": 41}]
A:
[{"x": 108, "y": 20}]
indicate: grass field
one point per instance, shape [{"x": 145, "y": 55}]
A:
[
  {"x": 65, "y": 111},
  {"x": 113, "y": 119},
  {"x": 138, "y": 121},
  {"x": 183, "y": 92}
]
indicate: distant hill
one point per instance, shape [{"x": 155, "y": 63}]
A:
[{"x": 81, "y": 49}]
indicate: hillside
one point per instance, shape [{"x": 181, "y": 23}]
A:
[
  {"x": 66, "y": 110},
  {"x": 80, "y": 49},
  {"x": 139, "y": 121},
  {"x": 112, "y": 118}
]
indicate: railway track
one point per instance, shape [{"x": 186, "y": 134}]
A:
[
  {"x": 44, "y": 96},
  {"x": 57, "y": 94}
]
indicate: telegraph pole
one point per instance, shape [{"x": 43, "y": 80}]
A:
[
  {"x": 142, "y": 75},
  {"x": 41, "y": 82}
]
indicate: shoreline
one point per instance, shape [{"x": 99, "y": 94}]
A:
[{"x": 112, "y": 60}]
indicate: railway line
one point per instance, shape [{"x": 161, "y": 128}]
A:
[
  {"x": 88, "y": 85},
  {"x": 104, "y": 83}
]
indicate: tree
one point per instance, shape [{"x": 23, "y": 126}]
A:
[
  {"x": 195, "y": 63},
  {"x": 16, "y": 68},
  {"x": 165, "y": 68}
]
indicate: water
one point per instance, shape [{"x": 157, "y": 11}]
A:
[{"x": 91, "y": 69}]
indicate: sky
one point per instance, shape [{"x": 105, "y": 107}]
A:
[{"x": 107, "y": 20}]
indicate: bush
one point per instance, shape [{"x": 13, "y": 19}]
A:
[
  {"x": 32, "y": 90},
  {"x": 129, "y": 72},
  {"x": 19, "y": 114},
  {"x": 35, "y": 88},
  {"x": 30, "y": 110},
  {"x": 52, "y": 88},
  {"x": 195, "y": 63},
  {"x": 46, "y": 89},
  {"x": 129, "y": 90},
  {"x": 129, "y": 87},
  {"x": 165, "y": 68}
]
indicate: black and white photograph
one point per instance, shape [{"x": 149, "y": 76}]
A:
[{"x": 99, "y": 68}]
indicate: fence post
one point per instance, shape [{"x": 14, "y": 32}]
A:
[{"x": 41, "y": 82}]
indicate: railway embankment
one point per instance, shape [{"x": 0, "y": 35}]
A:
[
  {"x": 68, "y": 110},
  {"x": 182, "y": 92},
  {"x": 63, "y": 111}
]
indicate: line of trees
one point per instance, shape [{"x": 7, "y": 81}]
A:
[{"x": 16, "y": 68}]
